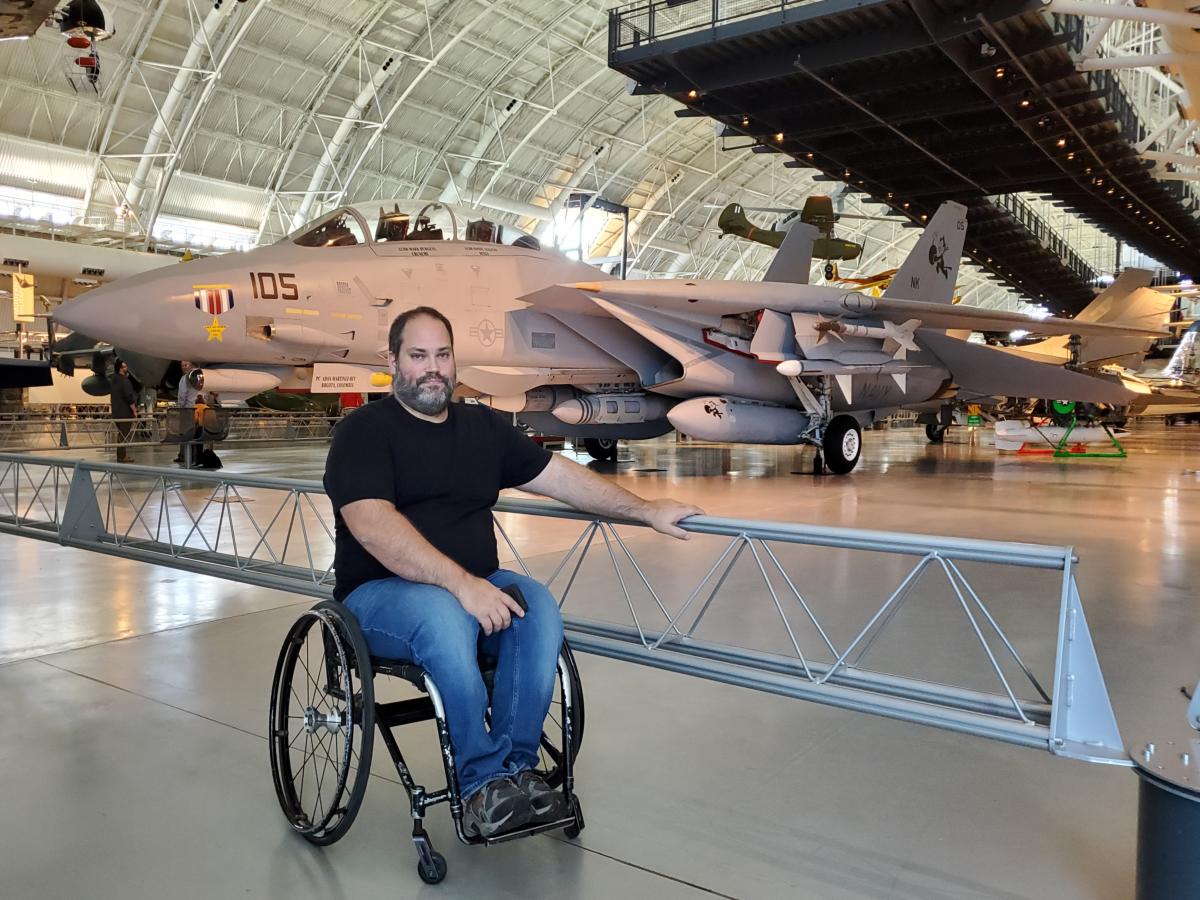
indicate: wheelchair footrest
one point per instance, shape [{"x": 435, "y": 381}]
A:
[{"x": 527, "y": 831}]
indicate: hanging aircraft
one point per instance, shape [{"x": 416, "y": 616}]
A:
[
  {"x": 817, "y": 211},
  {"x": 573, "y": 351},
  {"x": 877, "y": 282}
]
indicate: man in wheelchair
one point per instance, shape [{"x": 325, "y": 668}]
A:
[{"x": 412, "y": 479}]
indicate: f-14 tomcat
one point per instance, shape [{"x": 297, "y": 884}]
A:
[{"x": 573, "y": 351}]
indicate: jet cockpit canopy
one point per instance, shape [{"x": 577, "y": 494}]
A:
[{"x": 367, "y": 223}]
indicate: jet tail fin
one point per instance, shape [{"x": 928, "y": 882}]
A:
[
  {"x": 1183, "y": 361},
  {"x": 1127, "y": 301},
  {"x": 931, "y": 268},
  {"x": 1108, "y": 305},
  {"x": 793, "y": 260}
]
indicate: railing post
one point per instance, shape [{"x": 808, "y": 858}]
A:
[{"x": 81, "y": 521}]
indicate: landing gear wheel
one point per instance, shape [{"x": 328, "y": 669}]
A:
[
  {"x": 936, "y": 433},
  {"x": 322, "y": 723},
  {"x": 842, "y": 444},
  {"x": 435, "y": 873},
  {"x": 601, "y": 448}
]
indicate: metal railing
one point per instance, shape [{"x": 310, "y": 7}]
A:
[
  {"x": 1046, "y": 236},
  {"x": 799, "y": 617},
  {"x": 175, "y": 425},
  {"x": 638, "y": 24}
]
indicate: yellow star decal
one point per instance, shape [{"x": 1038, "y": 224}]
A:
[{"x": 215, "y": 330}]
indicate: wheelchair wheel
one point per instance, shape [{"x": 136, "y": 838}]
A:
[
  {"x": 322, "y": 723},
  {"x": 435, "y": 873},
  {"x": 551, "y": 753}
]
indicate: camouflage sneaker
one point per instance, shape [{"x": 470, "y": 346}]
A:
[
  {"x": 546, "y": 803},
  {"x": 496, "y": 807}
]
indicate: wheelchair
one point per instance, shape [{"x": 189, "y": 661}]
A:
[{"x": 324, "y": 715}]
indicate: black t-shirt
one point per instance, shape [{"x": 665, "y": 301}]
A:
[{"x": 444, "y": 477}]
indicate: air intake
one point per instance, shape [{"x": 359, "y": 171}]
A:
[
  {"x": 16, "y": 263},
  {"x": 91, "y": 270}
]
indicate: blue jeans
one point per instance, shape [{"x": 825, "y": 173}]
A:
[{"x": 427, "y": 625}]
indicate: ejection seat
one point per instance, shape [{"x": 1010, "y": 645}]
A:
[{"x": 321, "y": 732}]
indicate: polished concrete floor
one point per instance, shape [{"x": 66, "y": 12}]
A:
[{"x": 133, "y": 702}]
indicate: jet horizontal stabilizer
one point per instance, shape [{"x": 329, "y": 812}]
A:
[{"x": 982, "y": 371}]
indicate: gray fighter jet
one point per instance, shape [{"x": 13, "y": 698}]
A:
[{"x": 573, "y": 351}]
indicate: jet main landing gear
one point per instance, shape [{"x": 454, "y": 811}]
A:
[
  {"x": 603, "y": 449},
  {"x": 837, "y": 438},
  {"x": 842, "y": 444}
]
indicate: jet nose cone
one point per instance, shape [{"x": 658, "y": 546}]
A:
[{"x": 95, "y": 314}]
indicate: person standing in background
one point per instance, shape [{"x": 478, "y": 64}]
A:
[
  {"x": 123, "y": 398},
  {"x": 187, "y": 398}
]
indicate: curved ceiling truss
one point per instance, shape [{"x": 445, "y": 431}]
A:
[{"x": 262, "y": 114}]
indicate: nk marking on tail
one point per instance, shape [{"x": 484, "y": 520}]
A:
[{"x": 931, "y": 268}]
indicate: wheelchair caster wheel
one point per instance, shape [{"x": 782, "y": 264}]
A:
[
  {"x": 435, "y": 874},
  {"x": 572, "y": 831}
]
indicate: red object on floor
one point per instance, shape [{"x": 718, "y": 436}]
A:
[
  {"x": 1040, "y": 450},
  {"x": 351, "y": 401}
]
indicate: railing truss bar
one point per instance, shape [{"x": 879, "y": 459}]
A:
[
  {"x": 779, "y": 608},
  {"x": 588, "y": 529},
  {"x": 812, "y": 618},
  {"x": 896, "y": 598},
  {"x": 983, "y": 641},
  {"x": 696, "y": 591},
  {"x": 621, "y": 578},
  {"x": 1007, "y": 643},
  {"x": 507, "y": 540},
  {"x": 642, "y": 576},
  {"x": 742, "y": 542}
]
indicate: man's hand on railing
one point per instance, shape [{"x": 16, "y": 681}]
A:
[{"x": 664, "y": 516}]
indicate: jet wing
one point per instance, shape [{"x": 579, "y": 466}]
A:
[
  {"x": 721, "y": 298},
  {"x": 982, "y": 371},
  {"x": 939, "y": 315}
]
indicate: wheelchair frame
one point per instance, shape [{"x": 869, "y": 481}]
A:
[{"x": 345, "y": 650}]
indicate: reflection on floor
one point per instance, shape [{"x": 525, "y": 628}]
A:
[{"x": 135, "y": 699}]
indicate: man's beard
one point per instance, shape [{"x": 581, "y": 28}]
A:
[{"x": 428, "y": 395}]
